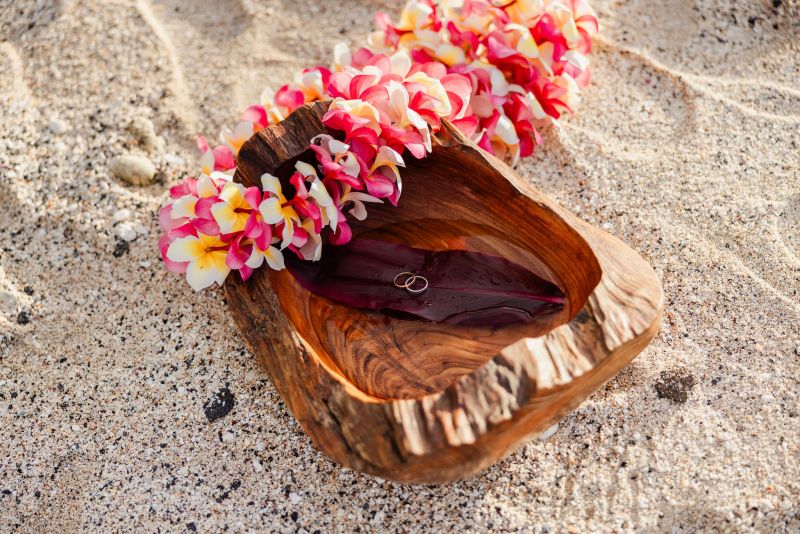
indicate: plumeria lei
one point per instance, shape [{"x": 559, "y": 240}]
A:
[{"x": 498, "y": 70}]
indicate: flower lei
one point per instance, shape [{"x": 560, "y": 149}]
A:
[{"x": 497, "y": 70}]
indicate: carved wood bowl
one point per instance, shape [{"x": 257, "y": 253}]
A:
[{"x": 418, "y": 401}]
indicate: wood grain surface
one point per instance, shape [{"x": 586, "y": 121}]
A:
[{"x": 417, "y": 401}]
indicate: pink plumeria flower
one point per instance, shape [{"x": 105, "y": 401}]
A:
[
  {"x": 318, "y": 192},
  {"x": 276, "y": 210},
  {"x": 404, "y": 117},
  {"x": 205, "y": 256},
  {"x": 219, "y": 158},
  {"x": 204, "y": 187},
  {"x": 500, "y": 138}
]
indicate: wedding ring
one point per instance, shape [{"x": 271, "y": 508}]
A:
[
  {"x": 410, "y": 280},
  {"x": 410, "y": 287}
]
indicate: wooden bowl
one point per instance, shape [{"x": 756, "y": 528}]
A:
[{"x": 417, "y": 401}]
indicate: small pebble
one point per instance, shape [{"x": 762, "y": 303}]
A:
[
  {"x": 144, "y": 132},
  {"x": 57, "y": 126},
  {"x": 126, "y": 232},
  {"x": 121, "y": 248},
  {"x": 122, "y": 215},
  {"x": 23, "y": 318},
  {"x": 675, "y": 385},
  {"x": 174, "y": 160},
  {"x": 219, "y": 405},
  {"x": 134, "y": 170},
  {"x": 295, "y": 498},
  {"x": 547, "y": 434},
  {"x": 140, "y": 229}
]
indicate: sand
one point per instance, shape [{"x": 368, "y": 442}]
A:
[{"x": 685, "y": 146}]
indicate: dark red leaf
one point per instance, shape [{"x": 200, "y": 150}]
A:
[{"x": 463, "y": 287}]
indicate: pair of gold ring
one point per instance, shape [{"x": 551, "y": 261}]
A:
[{"x": 413, "y": 283}]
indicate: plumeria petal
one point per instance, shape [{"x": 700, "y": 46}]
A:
[{"x": 271, "y": 211}]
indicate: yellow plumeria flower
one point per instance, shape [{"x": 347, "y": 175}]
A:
[
  {"x": 414, "y": 15},
  {"x": 232, "y": 213},
  {"x": 206, "y": 256}
]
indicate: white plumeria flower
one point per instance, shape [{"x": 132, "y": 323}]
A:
[
  {"x": 235, "y": 138},
  {"x": 232, "y": 213},
  {"x": 340, "y": 152},
  {"x": 500, "y": 85},
  {"x": 536, "y": 106},
  {"x": 206, "y": 256},
  {"x": 275, "y": 113},
  {"x": 401, "y": 63},
  {"x": 572, "y": 97},
  {"x": 341, "y": 57},
  {"x": 505, "y": 132},
  {"x": 310, "y": 83},
  {"x": 272, "y": 256},
  {"x": 319, "y": 193},
  {"x": 273, "y": 211},
  {"x": 207, "y": 162},
  {"x": 414, "y": 15},
  {"x": 359, "y": 210},
  {"x": 361, "y": 109},
  {"x": 449, "y": 54},
  {"x": 184, "y": 207},
  {"x": 376, "y": 41},
  {"x": 405, "y": 116},
  {"x": 391, "y": 159},
  {"x": 434, "y": 88},
  {"x": 312, "y": 250},
  {"x": 577, "y": 59},
  {"x": 206, "y": 187}
]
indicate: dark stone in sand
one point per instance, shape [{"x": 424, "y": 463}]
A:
[
  {"x": 219, "y": 405},
  {"x": 121, "y": 248},
  {"x": 675, "y": 385}
]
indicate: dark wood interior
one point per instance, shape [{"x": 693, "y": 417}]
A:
[{"x": 445, "y": 204}]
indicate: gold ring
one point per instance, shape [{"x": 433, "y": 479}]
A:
[{"x": 409, "y": 281}]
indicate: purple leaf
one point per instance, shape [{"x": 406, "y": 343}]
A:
[{"x": 467, "y": 288}]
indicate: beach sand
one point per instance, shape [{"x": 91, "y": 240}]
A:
[{"x": 686, "y": 146}]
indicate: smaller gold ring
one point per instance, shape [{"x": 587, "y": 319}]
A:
[{"x": 409, "y": 281}]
